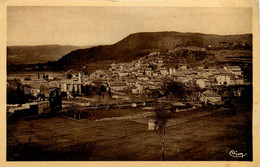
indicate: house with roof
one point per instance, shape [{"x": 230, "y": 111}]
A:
[
  {"x": 164, "y": 72},
  {"x": 32, "y": 108},
  {"x": 98, "y": 74},
  {"x": 113, "y": 66},
  {"x": 142, "y": 77},
  {"x": 232, "y": 68},
  {"x": 210, "y": 97},
  {"x": 239, "y": 81},
  {"x": 160, "y": 62},
  {"x": 32, "y": 89},
  {"x": 99, "y": 82},
  {"x": 181, "y": 78},
  {"x": 144, "y": 85},
  {"x": 237, "y": 72},
  {"x": 154, "y": 87},
  {"x": 189, "y": 78},
  {"x": 156, "y": 73},
  {"x": 139, "y": 87},
  {"x": 135, "y": 90},
  {"x": 155, "y": 82},
  {"x": 150, "y": 86},
  {"x": 172, "y": 70},
  {"x": 200, "y": 67},
  {"x": 205, "y": 73},
  {"x": 223, "y": 79},
  {"x": 141, "y": 71},
  {"x": 46, "y": 89},
  {"x": 183, "y": 67},
  {"x": 124, "y": 73},
  {"x": 131, "y": 83},
  {"x": 137, "y": 65},
  {"x": 69, "y": 86},
  {"x": 118, "y": 86},
  {"x": 203, "y": 83},
  {"x": 148, "y": 71},
  {"x": 232, "y": 81}
]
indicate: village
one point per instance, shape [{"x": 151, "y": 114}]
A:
[{"x": 137, "y": 82}]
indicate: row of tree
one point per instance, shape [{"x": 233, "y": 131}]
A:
[{"x": 16, "y": 95}]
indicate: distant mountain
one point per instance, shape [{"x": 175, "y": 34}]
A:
[
  {"x": 37, "y": 54},
  {"x": 140, "y": 44}
]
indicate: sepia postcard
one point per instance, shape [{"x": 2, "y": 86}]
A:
[{"x": 138, "y": 83}]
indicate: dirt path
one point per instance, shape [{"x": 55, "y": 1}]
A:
[{"x": 143, "y": 115}]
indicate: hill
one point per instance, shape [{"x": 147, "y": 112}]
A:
[
  {"x": 135, "y": 46},
  {"x": 37, "y": 54},
  {"x": 140, "y": 44}
]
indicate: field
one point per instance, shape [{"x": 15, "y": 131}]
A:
[{"x": 200, "y": 134}]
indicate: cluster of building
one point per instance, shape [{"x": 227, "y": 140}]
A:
[
  {"x": 46, "y": 96},
  {"x": 210, "y": 77},
  {"x": 145, "y": 74},
  {"x": 150, "y": 72}
]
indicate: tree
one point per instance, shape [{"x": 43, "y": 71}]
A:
[
  {"x": 161, "y": 119},
  {"x": 89, "y": 89},
  {"x": 153, "y": 66},
  {"x": 20, "y": 94},
  {"x": 77, "y": 92},
  {"x": 16, "y": 95},
  {"x": 248, "y": 73},
  {"x": 75, "y": 110},
  {"x": 132, "y": 97},
  {"x": 173, "y": 89},
  {"x": 69, "y": 76},
  {"x": 143, "y": 96},
  {"x": 12, "y": 96},
  {"x": 86, "y": 73},
  {"x": 73, "y": 93},
  {"x": 102, "y": 90},
  {"x": 109, "y": 92}
]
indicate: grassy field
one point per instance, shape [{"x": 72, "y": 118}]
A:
[{"x": 200, "y": 134}]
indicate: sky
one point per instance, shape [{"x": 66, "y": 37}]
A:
[{"x": 85, "y": 26}]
